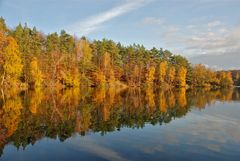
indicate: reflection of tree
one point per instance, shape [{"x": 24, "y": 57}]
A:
[
  {"x": 181, "y": 97},
  {"x": 171, "y": 99},
  {"x": 150, "y": 98},
  {"x": 134, "y": 94},
  {"x": 237, "y": 94},
  {"x": 11, "y": 114},
  {"x": 35, "y": 100},
  {"x": 60, "y": 114},
  {"x": 226, "y": 94},
  {"x": 83, "y": 119},
  {"x": 162, "y": 102},
  {"x": 99, "y": 95}
]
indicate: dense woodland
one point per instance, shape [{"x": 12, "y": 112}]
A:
[{"x": 31, "y": 59}]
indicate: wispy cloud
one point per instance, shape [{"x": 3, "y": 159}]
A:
[{"x": 92, "y": 23}]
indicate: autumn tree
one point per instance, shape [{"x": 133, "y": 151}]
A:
[
  {"x": 150, "y": 75},
  {"x": 71, "y": 77},
  {"x": 36, "y": 73},
  {"x": 171, "y": 72},
  {"x": 11, "y": 63},
  {"x": 181, "y": 77},
  {"x": 30, "y": 44},
  {"x": 162, "y": 71},
  {"x": 107, "y": 68},
  {"x": 225, "y": 79},
  {"x": 105, "y": 63},
  {"x": 237, "y": 78},
  {"x": 84, "y": 57},
  {"x": 53, "y": 60},
  {"x": 199, "y": 75},
  {"x": 111, "y": 79}
]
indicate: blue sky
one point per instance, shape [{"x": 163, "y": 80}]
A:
[{"x": 201, "y": 30}]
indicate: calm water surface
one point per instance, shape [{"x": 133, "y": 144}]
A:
[{"x": 134, "y": 124}]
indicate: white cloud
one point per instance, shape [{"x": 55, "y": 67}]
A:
[
  {"x": 212, "y": 43},
  {"x": 94, "y": 22},
  {"x": 215, "y": 40}
]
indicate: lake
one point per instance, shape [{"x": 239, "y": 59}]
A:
[{"x": 120, "y": 125}]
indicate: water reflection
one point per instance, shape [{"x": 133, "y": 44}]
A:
[{"x": 31, "y": 115}]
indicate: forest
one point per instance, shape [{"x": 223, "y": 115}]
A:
[{"x": 31, "y": 59}]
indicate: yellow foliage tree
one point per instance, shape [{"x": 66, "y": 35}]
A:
[
  {"x": 107, "y": 69},
  {"x": 237, "y": 76},
  {"x": 150, "y": 75},
  {"x": 84, "y": 52},
  {"x": 72, "y": 77},
  {"x": 12, "y": 63},
  {"x": 171, "y": 75},
  {"x": 36, "y": 73},
  {"x": 181, "y": 77},
  {"x": 229, "y": 78},
  {"x": 225, "y": 79},
  {"x": 162, "y": 71},
  {"x": 111, "y": 79},
  {"x": 84, "y": 58},
  {"x": 105, "y": 64}
]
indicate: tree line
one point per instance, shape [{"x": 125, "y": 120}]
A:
[{"x": 29, "y": 58}]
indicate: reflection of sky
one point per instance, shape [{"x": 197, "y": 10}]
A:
[{"x": 210, "y": 134}]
